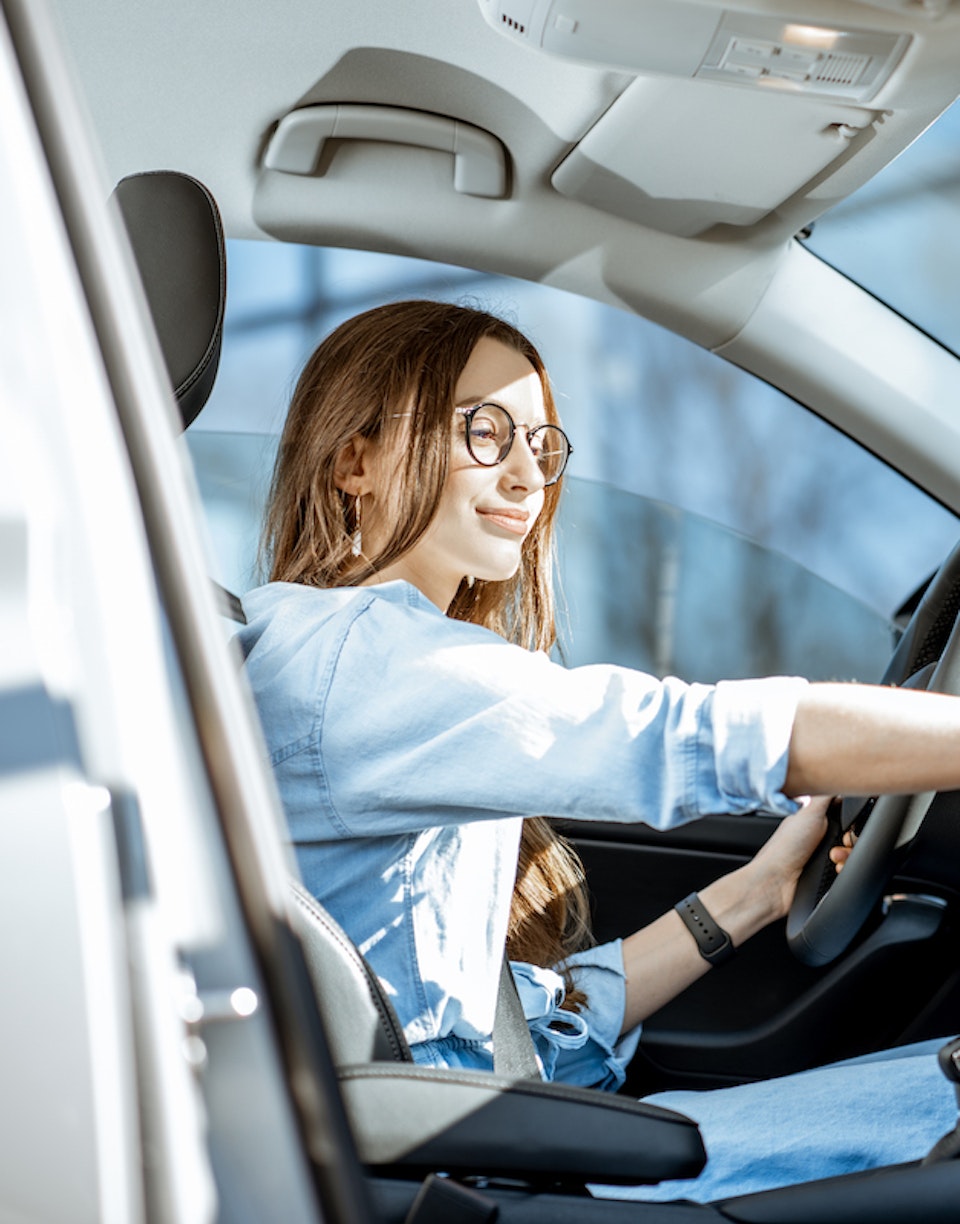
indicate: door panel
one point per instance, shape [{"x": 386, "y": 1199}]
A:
[{"x": 763, "y": 1013}]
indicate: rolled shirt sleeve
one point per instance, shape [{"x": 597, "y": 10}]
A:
[
  {"x": 586, "y": 1047},
  {"x": 750, "y": 726}
]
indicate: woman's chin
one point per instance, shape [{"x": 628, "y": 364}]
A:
[{"x": 498, "y": 573}]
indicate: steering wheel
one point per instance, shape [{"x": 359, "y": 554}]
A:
[{"x": 829, "y": 909}]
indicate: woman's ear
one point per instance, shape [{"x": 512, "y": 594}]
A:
[{"x": 351, "y": 470}]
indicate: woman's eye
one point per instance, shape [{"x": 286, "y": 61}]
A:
[{"x": 482, "y": 431}]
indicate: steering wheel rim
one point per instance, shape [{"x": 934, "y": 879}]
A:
[{"x": 829, "y": 909}]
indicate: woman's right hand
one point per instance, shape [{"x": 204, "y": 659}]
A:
[{"x": 778, "y": 863}]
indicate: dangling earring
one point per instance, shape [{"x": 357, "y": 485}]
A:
[
  {"x": 470, "y": 581},
  {"x": 357, "y": 545}
]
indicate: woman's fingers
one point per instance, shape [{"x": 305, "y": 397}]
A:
[{"x": 840, "y": 854}]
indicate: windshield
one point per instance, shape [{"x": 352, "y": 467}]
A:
[
  {"x": 897, "y": 235},
  {"x": 710, "y": 525}
]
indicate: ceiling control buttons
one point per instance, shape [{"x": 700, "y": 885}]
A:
[{"x": 847, "y": 64}]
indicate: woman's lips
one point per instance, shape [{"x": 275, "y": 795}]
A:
[{"x": 514, "y": 521}]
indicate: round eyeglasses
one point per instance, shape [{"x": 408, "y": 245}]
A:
[{"x": 490, "y": 431}]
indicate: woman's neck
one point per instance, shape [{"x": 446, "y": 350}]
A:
[{"x": 439, "y": 590}]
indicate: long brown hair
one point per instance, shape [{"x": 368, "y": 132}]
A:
[
  {"x": 550, "y": 908},
  {"x": 396, "y": 363},
  {"x": 400, "y": 363}
]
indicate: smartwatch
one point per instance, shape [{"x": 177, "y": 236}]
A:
[{"x": 713, "y": 942}]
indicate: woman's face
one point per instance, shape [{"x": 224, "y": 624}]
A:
[{"x": 485, "y": 513}]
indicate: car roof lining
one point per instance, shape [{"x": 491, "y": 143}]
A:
[{"x": 204, "y": 96}]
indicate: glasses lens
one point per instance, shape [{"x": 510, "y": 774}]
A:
[
  {"x": 551, "y": 450},
  {"x": 489, "y": 433}
]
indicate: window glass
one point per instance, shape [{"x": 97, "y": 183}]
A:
[
  {"x": 267, "y": 281},
  {"x": 712, "y": 526},
  {"x": 681, "y": 595},
  {"x": 897, "y": 235}
]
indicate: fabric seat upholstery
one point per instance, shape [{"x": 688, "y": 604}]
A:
[{"x": 359, "y": 1019}]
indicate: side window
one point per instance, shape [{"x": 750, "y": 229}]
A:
[
  {"x": 711, "y": 527},
  {"x": 653, "y": 586}
]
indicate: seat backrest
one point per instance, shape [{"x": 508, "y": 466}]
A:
[{"x": 359, "y": 1019}]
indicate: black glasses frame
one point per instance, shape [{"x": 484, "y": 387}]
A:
[{"x": 468, "y": 415}]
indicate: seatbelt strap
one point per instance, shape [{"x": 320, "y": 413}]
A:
[
  {"x": 228, "y": 604},
  {"x": 513, "y": 1053},
  {"x": 948, "y": 1148}
]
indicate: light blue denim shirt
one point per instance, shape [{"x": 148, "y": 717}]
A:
[{"x": 408, "y": 746}]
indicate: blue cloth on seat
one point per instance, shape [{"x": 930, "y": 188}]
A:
[
  {"x": 884, "y": 1108},
  {"x": 585, "y": 1049}
]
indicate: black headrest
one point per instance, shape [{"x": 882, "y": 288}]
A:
[{"x": 177, "y": 238}]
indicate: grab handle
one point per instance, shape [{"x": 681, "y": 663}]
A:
[{"x": 479, "y": 159}]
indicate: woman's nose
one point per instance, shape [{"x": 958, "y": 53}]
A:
[{"x": 521, "y": 465}]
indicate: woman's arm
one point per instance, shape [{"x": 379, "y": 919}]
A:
[
  {"x": 856, "y": 739},
  {"x": 662, "y": 959},
  {"x": 847, "y": 738}
]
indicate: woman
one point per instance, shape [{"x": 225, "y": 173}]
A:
[{"x": 413, "y": 720}]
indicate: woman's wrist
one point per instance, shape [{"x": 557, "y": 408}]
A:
[{"x": 744, "y": 901}]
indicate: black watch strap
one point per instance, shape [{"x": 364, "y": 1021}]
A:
[{"x": 714, "y": 943}]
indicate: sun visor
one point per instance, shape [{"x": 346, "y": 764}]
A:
[{"x": 681, "y": 156}]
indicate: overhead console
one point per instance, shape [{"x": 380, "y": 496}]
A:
[
  {"x": 733, "y": 113},
  {"x": 705, "y": 42}
]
